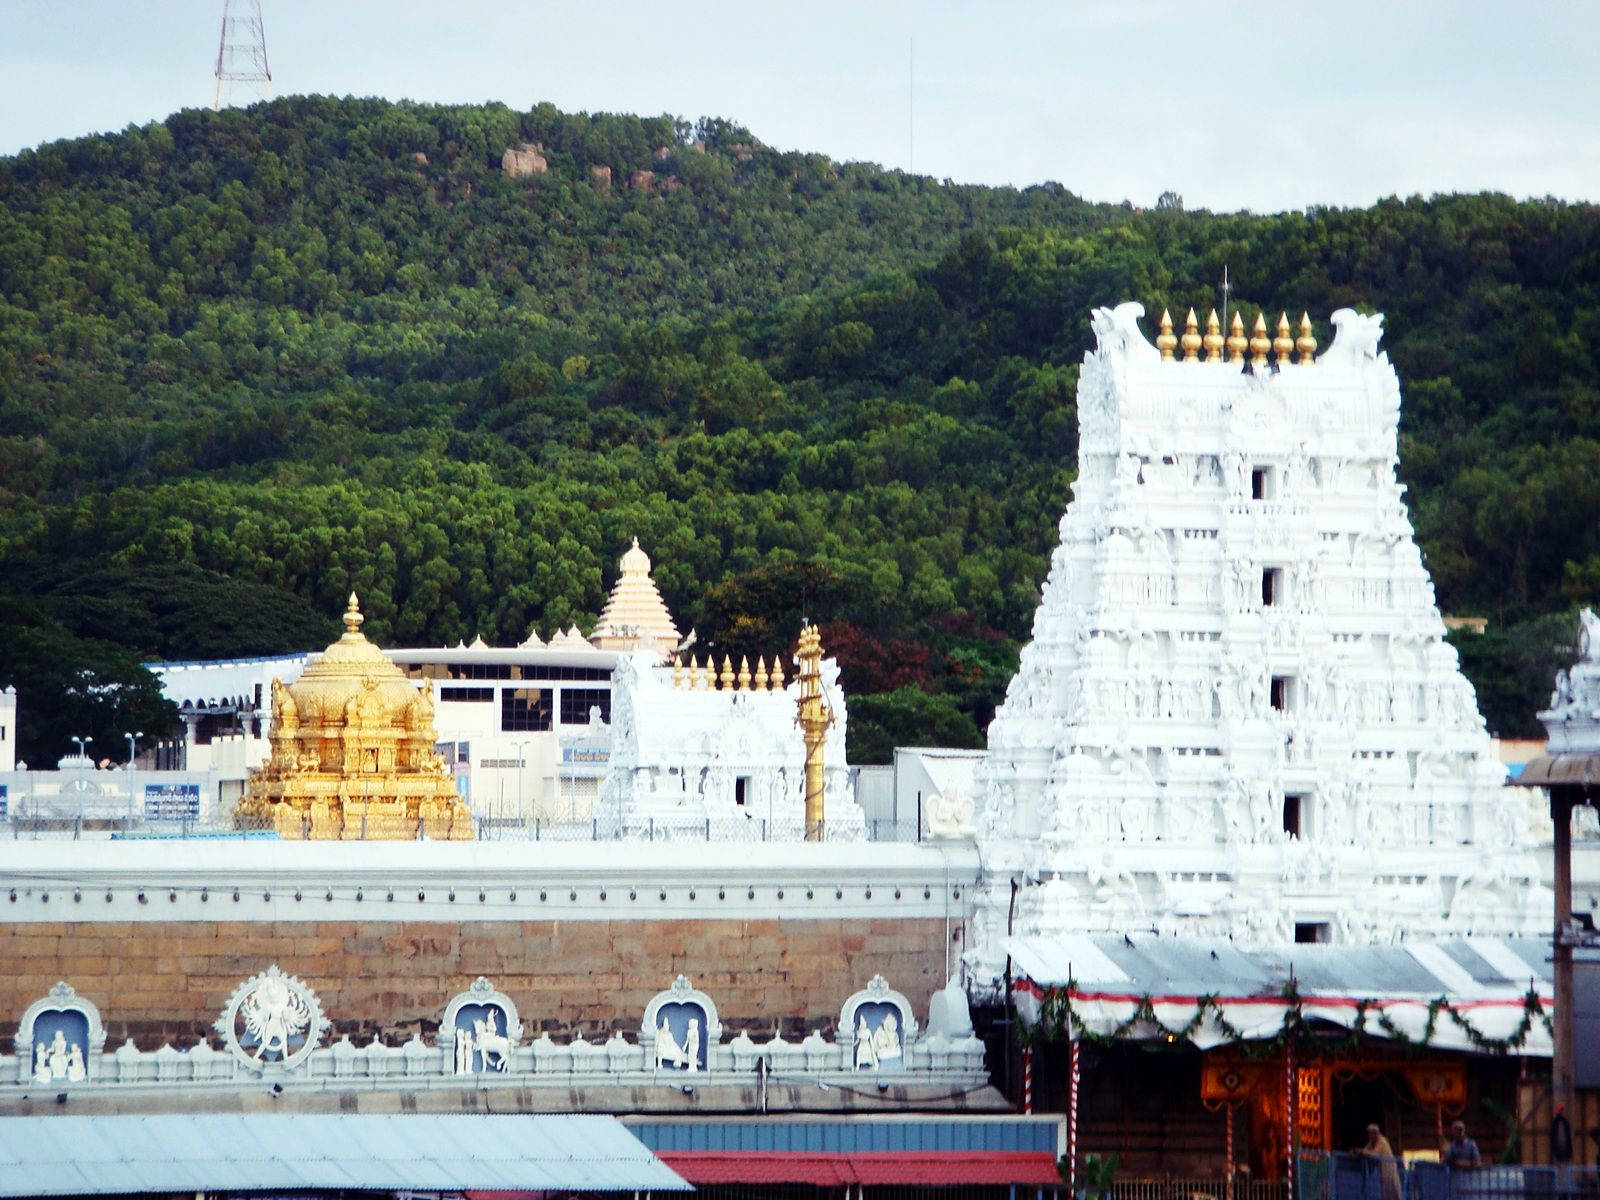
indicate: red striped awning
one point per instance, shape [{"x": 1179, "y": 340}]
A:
[{"x": 998, "y": 1168}]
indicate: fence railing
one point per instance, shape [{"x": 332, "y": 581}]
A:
[
  {"x": 1203, "y": 1187},
  {"x": 1342, "y": 1176},
  {"x": 68, "y": 827}
]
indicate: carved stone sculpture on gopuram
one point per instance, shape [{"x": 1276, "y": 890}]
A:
[
  {"x": 1238, "y": 715},
  {"x": 353, "y": 753}
]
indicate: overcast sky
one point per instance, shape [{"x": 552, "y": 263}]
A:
[{"x": 1259, "y": 106}]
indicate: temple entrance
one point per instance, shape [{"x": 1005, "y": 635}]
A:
[{"x": 1358, "y": 1102}]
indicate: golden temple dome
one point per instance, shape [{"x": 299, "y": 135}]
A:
[
  {"x": 351, "y": 667},
  {"x": 635, "y": 616},
  {"x": 353, "y": 753}
]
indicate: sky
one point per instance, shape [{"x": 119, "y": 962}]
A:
[{"x": 1232, "y": 106}]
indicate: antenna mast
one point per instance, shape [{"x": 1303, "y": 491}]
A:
[{"x": 241, "y": 52}]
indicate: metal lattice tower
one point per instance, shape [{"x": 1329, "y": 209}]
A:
[{"x": 242, "y": 52}]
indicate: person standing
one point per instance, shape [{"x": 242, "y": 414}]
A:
[
  {"x": 1388, "y": 1166},
  {"x": 1462, "y": 1151}
]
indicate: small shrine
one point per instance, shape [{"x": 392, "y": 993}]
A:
[{"x": 353, "y": 753}]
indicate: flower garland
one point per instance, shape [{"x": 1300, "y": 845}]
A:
[{"x": 1059, "y": 1020}]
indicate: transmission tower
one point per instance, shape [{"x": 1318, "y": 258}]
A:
[{"x": 242, "y": 52}]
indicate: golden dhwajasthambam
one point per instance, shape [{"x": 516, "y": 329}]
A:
[{"x": 353, "y": 753}]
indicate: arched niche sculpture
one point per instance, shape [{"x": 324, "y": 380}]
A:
[
  {"x": 680, "y": 1027},
  {"x": 272, "y": 1022},
  {"x": 875, "y": 1028},
  {"x": 59, "y": 1039},
  {"x": 479, "y": 1031}
]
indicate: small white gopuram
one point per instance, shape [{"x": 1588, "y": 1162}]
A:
[{"x": 1238, "y": 716}]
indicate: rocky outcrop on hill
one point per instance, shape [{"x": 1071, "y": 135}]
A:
[{"x": 525, "y": 159}]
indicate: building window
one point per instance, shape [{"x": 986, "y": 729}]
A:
[
  {"x": 480, "y": 671},
  {"x": 1295, "y": 814},
  {"x": 576, "y": 703},
  {"x": 1281, "y": 693},
  {"x": 1311, "y": 932},
  {"x": 1271, "y": 587},
  {"x": 1262, "y": 484},
  {"x": 741, "y": 790},
  {"x": 524, "y": 710},
  {"x": 472, "y": 695}
]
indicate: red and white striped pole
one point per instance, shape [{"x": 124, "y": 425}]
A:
[
  {"x": 1072, "y": 1119},
  {"x": 1027, "y": 1079},
  {"x": 1228, "y": 1186},
  {"x": 1291, "y": 1114}
]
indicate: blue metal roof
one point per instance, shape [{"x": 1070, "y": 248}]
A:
[
  {"x": 850, "y": 1137},
  {"x": 214, "y": 1152}
]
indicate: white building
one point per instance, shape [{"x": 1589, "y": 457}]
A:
[
  {"x": 1237, "y": 715},
  {"x": 8, "y": 728},
  {"x": 719, "y": 754}
]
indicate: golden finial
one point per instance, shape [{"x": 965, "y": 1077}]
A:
[
  {"x": 761, "y": 673},
  {"x": 677, "y": 672},
  {"x": 1306, "y": 343},
  {"x": 1213, "y": 338},
  {"x": 1191, "y": 338},
  {"x": 777, "y": 673},
  {"x": 1259, "y": 342},
  {"x": 744, "y": 673},
  {"x": 727, "y": 673},
  {"x": 697, "y": 675},
  {"x": 1165, "y": 340},
  {"x": 1236, "y": 339},
  {"x": 352, "y": 615},
  {"x": 1283, "y": 344}
]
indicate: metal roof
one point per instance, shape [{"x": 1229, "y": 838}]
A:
[
  {"x": 992, "y": 1169},
  {"x": 1566, "y": 767},
  {"x": 1147, "y": 964},
  {"x": 914, "y": 1135},
  {"x": 205, "y": 1152}
]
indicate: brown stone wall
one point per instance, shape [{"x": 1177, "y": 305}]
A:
[{"x": 167, "y": 981}]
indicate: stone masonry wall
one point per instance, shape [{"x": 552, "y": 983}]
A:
[{"x": 167, "y": 981}]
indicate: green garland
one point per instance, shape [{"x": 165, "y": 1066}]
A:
[{"x": 1059, "y": 1020}]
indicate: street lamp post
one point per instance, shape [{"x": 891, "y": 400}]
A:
[
  {"x": 133, "y": 747},
  {"x": 83, "y": 757},
  {"x": 522, "y": 769}
]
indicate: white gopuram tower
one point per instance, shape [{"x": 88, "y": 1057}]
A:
[{"x": 1237, "y": 716}]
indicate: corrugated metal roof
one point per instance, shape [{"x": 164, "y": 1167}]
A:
[
  {"x": 1559, "y": 768},
  {"x": 873, "y": 1170},
  {"x": 1141, "y": 965},
  {"x": 66, "y": 1155},
  {"x": 849, "y": 1137}
]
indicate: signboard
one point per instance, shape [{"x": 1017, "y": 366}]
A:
[
  {"x": 171, "y": 801},
  {"x": 5, "y": 810},
  {"x": 585, "y": 754}
]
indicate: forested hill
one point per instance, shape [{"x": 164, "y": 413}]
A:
[{"x": 251, "y": 360}]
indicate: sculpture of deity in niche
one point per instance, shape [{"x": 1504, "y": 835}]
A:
[
  {"x": 680, "y": 1037},
  {"x": 60, "y": 1042},
  {"x": 482, "y": 1043},
  {"x": 878, "y": 1037}
]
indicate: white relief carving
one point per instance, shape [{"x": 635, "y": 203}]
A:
[{"x": 272, "y": 1020}]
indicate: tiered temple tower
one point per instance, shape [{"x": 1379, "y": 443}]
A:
[
  {"x": 1238, "y": 715},
  {"x": 635, "y": 616}
]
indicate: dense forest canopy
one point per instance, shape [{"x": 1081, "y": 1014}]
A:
[{"x": 252, "y": 360}]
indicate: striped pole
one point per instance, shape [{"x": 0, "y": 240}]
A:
[
  {"x": 1027, "y": 1079},
  {"x": 1072, "y": 1119},
  {"x": 1228, "y": 1109},
  {"x": 1291, "y": 1114}
]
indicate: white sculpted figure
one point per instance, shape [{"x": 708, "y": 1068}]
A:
[
  {"x": 886, "y": 1039},
  {"x": 1588, "y": 636},
  {"x": 464, "y": 1051},
  {"x": 866, "y": 1048},
  {"x": 493, "y": 1046},
  {"x": 670, "y": 1054},
  {"x": 273, "y": 1014}
]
